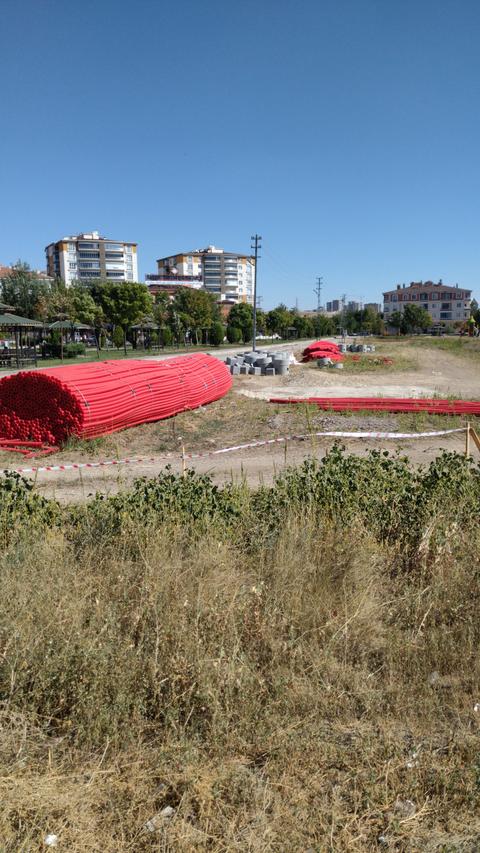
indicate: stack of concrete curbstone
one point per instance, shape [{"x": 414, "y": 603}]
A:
[{"x": 260, "y": 363}]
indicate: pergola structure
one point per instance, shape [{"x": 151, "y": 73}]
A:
[
  {"x": 23, "y": 330},
  {"x": 145, "y": 327},
  {"x": 68, "y": 326}
]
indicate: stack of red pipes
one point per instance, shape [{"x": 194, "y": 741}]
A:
[
  {"x": 322, "y": 349},
  {"x": 94, "y": 399}
]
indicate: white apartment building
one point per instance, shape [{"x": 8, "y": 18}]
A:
[
  {"x": 87, "y": 256},
  {"x": 227, "y": 275},
  {"x": 444, "y": 303}
]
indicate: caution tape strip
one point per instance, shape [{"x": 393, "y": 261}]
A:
[{"x": 142, "y": 460}]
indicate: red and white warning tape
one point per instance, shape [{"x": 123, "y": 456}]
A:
[{"x": 142, "y": 460}]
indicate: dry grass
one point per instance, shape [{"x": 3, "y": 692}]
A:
[{"x": 297, "y": 695}]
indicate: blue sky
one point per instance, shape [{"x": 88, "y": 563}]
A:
[{"x": 346, "y": 132}]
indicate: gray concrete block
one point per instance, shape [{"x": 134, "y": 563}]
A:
[
  {"x": 234, "y": 370},
  {"x": 244, "y": 368},
  {"x": 270, "y": 371}
]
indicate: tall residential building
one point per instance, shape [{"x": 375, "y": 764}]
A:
[
  {"x": 334, "y": 306},
  {"x": 87, "y": 256},
  {"x": 227, "y": 275},
  {"x": 443, "y": 302}
]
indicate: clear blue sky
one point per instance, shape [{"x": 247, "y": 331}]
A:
[{"x": 346, "y": 132}]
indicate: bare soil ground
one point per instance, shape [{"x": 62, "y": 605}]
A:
[{"x": 245, "y": 415}]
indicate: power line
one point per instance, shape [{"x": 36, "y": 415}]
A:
[
  {"x": 257, "y": 244},
  {"x": 318, "y": 291}
]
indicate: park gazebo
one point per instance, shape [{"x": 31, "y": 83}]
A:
[
  {"x": 23, "y": 330},
  {"x": 145, "y": 327},
  {"x": 63, "y": 326}
]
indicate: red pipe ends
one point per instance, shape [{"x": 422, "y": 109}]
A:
[{"x": 97, "y": 398}]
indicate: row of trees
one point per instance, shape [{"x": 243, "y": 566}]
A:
[{"x": 192, "y": 314}]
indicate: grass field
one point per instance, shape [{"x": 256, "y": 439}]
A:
[{"x": 285, "y": 669}]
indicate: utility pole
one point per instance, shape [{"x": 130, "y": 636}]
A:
[
  {"x": 256, "y": 245},
  {"x": 318, "y": 292}
]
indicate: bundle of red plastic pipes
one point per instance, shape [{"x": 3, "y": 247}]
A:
[
  {"x": 42, "y": 408},
  {"x": 322, "y": 349},
  {"x": 388, "y": 404}
]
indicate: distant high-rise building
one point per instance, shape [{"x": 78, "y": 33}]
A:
[
  {"x": 374, "y": 306},
  {"x": 227, "y": 275},
  {"x": 333, "y": 306},
  {"x": 353, "y": 306},
  {"x": 87, "y": 256}
]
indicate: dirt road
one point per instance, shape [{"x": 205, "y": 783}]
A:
[{"x": 244, "y": 416}]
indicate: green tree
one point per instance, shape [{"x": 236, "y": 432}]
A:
[
  {"x": 241, "y": 317},
  {"x": 475, "y": 311},
  {"x": 24, "y": 291},
  {"x": 217, "y": 333},
  {"x": 160, "y": 308},
  {"x": 279, "y": 319},
  {"x": 195, "y": 309},
  {"x": 414, "y": 318},
  {"x": 234, "y": 334},
  {"x": 323, "y": 326},
  {"x": 124, "y": 303}
]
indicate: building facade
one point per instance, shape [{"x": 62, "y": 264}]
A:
[
  {"x": 444, "y": 303},
  {"x": 87, "y": 256},
  {"x": 334, "y": 306},
  {"x": 227, "y": 275}
]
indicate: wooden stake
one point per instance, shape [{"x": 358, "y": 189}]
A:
[
  {"x": 467, "y": 440},
  {"x": 475, "y": 436},
  {"x": 184, "y": 467}
]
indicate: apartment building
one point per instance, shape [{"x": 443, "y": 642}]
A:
[
  {"x": 334, "y": 306},
  {"x": 227, "y": 275},
  {"x": 444, "y": 303},
  {"x": 87, "y": 256}
]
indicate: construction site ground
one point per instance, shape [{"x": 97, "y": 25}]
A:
[{"x": 420, "y": 367}]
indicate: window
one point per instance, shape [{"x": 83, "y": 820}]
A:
[
  {"x": 425, "y": 305},
  {"x": 88, "y": 245},
  {"x": 459, "y": 304},
  {"x": 116, "y": 247},
  {"x": 72, "y": 266},
  {"x": 88, "y": 265},
  {"x": 445, "y": 306},
  {"x": 89, "y": 254},
  {"x": 128, "y": 250},
  {"x": 445, "y": 315}
]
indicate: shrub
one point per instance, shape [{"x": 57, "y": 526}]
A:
[
  {"x": 234, "y": 334},
  {"x": 73, "y": 349},
  {"x": 166, "y": 337},
  {"x": 118, "y": 337},
  {"x": 217, "y": 334}
]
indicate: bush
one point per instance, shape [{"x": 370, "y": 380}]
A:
[
  {"x": 166, "y": 337},
  {"x": 234, "y": 334},
  {"x": 74, "y": 349},
  {"x": 238, "y": 655},
  {"x": 247, "y": 333},
  {"x": 217, "y": 334},
  {"x": 118, "y": 337}
]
